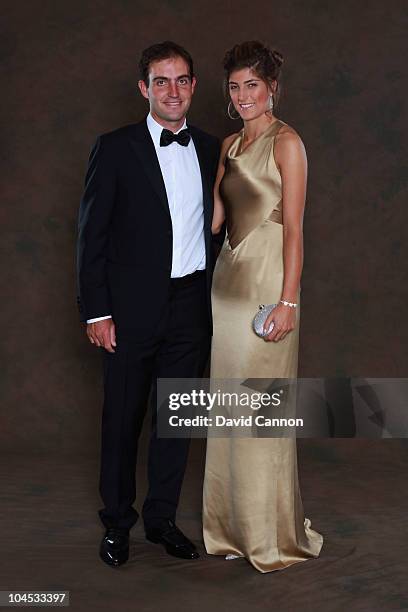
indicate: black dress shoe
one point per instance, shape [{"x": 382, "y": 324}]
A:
[
  {"x": 114, "y": 549},
  {"x": 174, "y": 541}
]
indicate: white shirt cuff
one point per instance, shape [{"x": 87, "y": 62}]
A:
[{"x": 98, "y": 319}]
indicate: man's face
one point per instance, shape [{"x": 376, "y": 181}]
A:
[{"x": 170, "y": 91}]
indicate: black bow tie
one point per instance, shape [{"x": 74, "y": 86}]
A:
[{"x": 167, "y": 137}]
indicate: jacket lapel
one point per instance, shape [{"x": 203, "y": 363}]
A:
[{"x": 143, "y": 146}]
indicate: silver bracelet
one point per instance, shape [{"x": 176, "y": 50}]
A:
[{"x": 290, "y": 304}]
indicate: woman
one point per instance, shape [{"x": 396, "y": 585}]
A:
[{"x": 251, "y": 505}]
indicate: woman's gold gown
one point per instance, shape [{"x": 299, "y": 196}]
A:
[{"x": 251, "y": 501}]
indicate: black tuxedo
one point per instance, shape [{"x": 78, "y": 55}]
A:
[
  {"x": 163, "y": 325},
  {"x": 125, "y": 231}
]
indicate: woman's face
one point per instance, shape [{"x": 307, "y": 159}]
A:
[{"x": 249, "y": 93}]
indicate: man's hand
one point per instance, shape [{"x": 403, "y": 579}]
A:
[{"x": 102, "y": 333}]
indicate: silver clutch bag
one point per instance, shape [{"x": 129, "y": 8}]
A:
[{"x": 260, "y": 318}]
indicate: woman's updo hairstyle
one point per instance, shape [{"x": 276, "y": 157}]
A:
[{"x": 266, "y": 63}]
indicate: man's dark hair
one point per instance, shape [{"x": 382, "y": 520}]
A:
[{"x": 161, "y": 51}]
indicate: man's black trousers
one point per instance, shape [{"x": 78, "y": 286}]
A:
[{"x": 178, "y": 349}]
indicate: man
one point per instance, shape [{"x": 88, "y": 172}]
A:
[{"x": 144, "y": 275}]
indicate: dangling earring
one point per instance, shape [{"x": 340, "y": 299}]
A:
[
  {"x": 229, "y": 111},
  {"x": 271, "y": 103}
]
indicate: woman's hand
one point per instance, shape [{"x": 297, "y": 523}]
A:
[{"x": 284, "y": 319}]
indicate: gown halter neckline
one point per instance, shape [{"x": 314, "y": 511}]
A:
[{"x": 238, "y": 141}]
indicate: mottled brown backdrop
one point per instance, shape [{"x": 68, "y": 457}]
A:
[{"x": 69, "y": 72}]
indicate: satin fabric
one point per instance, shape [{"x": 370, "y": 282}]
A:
[{"x": 252, "y": 505}]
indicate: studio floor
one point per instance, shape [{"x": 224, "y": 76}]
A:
[{"x": 354, "y": 492}]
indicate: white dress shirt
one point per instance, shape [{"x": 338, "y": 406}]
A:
[{"x": 182, "y": 178}]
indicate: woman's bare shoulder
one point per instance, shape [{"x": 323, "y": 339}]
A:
[
  {"x": 226, "y": 143},
  {"x": 229, "y": 139},
  {"x": 287, "y": 134}
]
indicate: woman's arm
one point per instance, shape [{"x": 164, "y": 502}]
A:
[
  {"x": 219, "y": 213},
  {"x": 291, "y": 160}
]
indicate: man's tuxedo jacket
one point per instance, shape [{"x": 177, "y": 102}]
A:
[{"x": 124, "y": 252}]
